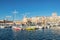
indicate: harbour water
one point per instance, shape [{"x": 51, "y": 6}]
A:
[{"x": 42, "y": 34}]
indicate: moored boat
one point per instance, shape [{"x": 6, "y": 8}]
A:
[
  {"x": 16, "y": 28},
  {"x": 30, "y": 28}
]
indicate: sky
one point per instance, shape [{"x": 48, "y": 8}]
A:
[{"x": 30, "y": 8}]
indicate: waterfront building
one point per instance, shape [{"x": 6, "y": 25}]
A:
[
  {"x": 53, "y": 19},
  {"x": 25, "y": 19}
]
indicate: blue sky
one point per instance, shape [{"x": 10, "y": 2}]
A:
[{"x": 29, "y": 7}]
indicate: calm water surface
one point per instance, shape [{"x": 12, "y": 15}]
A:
[{"x": 46, "y": 34}]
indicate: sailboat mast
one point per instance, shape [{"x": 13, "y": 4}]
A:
[{"x": 14, "y": 15}]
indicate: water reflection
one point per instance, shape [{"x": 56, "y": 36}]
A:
[
  {"x": 6, "y": 34},
  {"x": 46, "y": 34}
]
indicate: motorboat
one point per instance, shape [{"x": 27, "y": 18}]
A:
[
  {"x": 16, "y": 28},
  {"x": 2, "y": 27},
  {"x": 30, "y": 28}
]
